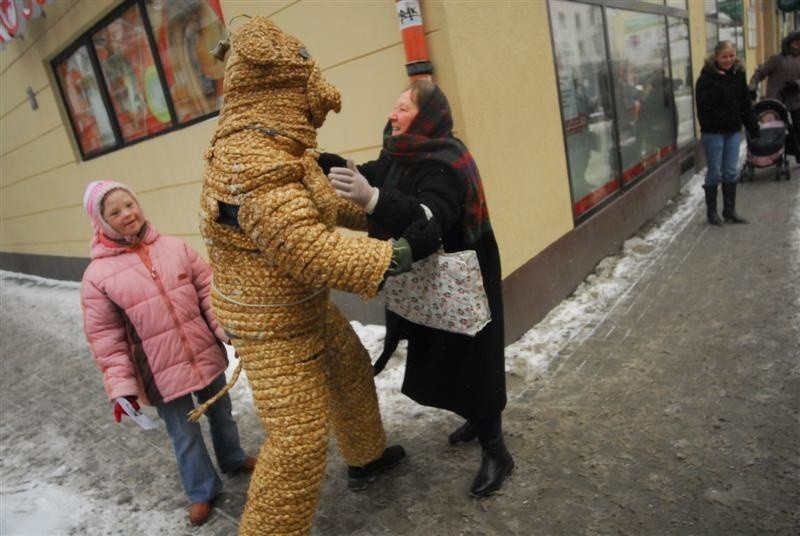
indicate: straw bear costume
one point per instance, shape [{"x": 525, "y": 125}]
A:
[{"x": 268, "y": 217}]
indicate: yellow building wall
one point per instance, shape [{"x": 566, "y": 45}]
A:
[
  {"x": 697, "y": 35},
  {"x": 750, "y": 52},
  {"x": 506, "y": 95}
]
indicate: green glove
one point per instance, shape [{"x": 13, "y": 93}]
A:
[{"x": 401, "y": 257}]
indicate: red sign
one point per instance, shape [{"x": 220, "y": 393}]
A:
[{"x": 14, "y": 14}]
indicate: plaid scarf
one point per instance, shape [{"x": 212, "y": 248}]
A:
[{"x": 430, "y": 137}]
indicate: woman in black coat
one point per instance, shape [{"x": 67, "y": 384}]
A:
[
  {"x": 723, "y": 106},
  {"x": 425, "y": 188}
]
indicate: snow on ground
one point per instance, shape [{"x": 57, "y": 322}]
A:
[
  {"x": 29, "y": 508},
  {"x": 613, "y": 278}
]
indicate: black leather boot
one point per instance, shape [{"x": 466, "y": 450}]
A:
[
  {"x": 729, "y": 203},
  {"x": 359, "y": 478},
  {"x": 711, "y": 205},
  {"x": 463, "y": 434},
  {"x": 496, "y": 465}
]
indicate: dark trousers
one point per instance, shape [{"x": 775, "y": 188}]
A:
[{"x": 793, "y": 143}]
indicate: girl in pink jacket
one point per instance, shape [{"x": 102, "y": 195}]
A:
[{"x": 147, "y": 317}]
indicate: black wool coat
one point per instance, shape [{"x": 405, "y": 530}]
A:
[
  {"x": 723, "y": 103},
  {"x": 445, "y": 370}
]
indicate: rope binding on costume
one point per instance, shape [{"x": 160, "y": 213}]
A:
[{"x": 199, "y": 411}]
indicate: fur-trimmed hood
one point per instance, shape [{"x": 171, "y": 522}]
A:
[
  {"x": 787, "y": 41},
  {"x": 711, "y": 67}
]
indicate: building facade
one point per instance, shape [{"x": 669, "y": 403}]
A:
[{"x": 580, "y": 114}]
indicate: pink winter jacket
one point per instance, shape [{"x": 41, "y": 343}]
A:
[{"x": 147, "y": 316}]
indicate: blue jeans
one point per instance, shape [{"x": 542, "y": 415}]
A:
[
  {"x": 722, "y": 157},
  {"x": 200, "y": 480}
]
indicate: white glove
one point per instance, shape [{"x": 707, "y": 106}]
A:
[{"x": 352, "y": 185}]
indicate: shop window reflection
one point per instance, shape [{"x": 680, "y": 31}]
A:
[
  {"x": 131, "y": 76},
  {"x": 642, "y": 88},
  {"x": 624, "y": 108},
  {"x": 680, "y": 56},
  {"x": 141, "y": 71},
  {"x": 185, "y": 31},
  {"x": 85, "y": 104},
  {"x": 586, "y": 109}
]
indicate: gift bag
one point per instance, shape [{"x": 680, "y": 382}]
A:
[{"x": 443, "y": 291}]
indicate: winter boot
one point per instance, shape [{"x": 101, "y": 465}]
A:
[
  {"x": 463, "y": 434},
  {"x": 199, "y": 512},
  {"x": 496, "y": 465},
  {"x": 711, "y": 205},
  {"x": 729, "y": 203},
  {"x": 359, "y": 478}
]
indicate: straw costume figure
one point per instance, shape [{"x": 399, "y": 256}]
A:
[{"x": 268, "y": 217}]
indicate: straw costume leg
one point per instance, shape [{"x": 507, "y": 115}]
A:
[
  {"x": 354, "y": 411},
  {"x": 291, "y": 399}
]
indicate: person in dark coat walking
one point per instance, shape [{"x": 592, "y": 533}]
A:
[
  {"x": 422, "y": 174},
  {"x": 782, "y": 72},
  {"x": 723, "y": 106}
]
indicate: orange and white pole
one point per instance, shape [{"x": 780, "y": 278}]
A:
[{"x": 409, "y": 16}]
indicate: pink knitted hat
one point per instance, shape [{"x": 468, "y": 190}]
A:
[{"x": 93, "y": 197}]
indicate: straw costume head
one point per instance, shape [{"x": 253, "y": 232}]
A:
[{"x": 271, "y": 82}]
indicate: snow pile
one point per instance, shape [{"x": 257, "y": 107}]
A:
[{"x": 613, "y": 279}]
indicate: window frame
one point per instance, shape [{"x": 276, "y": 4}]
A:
[
  {"x": 85, "y": 39},
  {"x": 622, "y": 186}
]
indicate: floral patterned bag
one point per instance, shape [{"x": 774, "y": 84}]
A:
[{"x": 443, "y": 291}]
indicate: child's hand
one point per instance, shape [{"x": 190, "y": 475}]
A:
[{"x": 119, "y": 412}]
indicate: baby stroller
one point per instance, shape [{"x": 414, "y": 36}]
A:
[{"x": 774, "y": 142}]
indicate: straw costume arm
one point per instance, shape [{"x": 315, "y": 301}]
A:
[
  {"x": 288, "y": 226},
  {"x": 350, "y": 215}
]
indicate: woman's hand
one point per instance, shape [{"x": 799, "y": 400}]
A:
[
  {"x": 424, "y": 238},
  {"x": 352, "y": 185}
]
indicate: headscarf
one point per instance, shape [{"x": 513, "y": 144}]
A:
[{"x": 430, "y": 137}]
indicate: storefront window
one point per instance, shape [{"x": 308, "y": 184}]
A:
[
  {"x": 185, "y": 31},
  {"x": 642, "y": 89},
  {"x": 731, "y": 22},
  {"x": 712, "y": 25},
  {"x": 586, "y": 109},
  {"x": 724, "y": 22},
  {"x": 143, "y": 70},
  {"x": 131, "y": 76},
  {"x": 682, "y": 81},
  {"x": 85, "y": 103}
]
